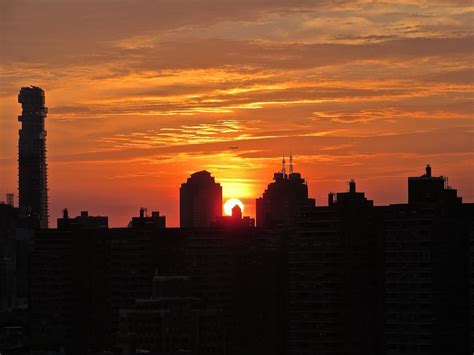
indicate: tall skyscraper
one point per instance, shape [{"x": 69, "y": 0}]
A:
[
  {"x": 283, "y": 199},
  {"x": 32, "y": 167},
  {"x": 200, "y": 201}
]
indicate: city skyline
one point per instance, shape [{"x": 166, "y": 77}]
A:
[
  {"x": 286, "y": 168},
  {"x": 222, "y": 177},
  {"x": 358, "y": 90}
]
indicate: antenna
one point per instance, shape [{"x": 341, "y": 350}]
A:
[
  {"x": 291, "y": 163},
  {"x": 283, "y": 165}
]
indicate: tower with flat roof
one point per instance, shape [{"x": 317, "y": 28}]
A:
[
  {"x": 429, "y": 190},
  {"x": 32, "y": 167}
]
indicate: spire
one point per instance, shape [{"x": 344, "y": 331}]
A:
[
  {"x": 283, "y": 166},
  {"x": 291, "y": 163}
]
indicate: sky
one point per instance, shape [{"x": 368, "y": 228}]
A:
[{"x": 142, "y": 93}]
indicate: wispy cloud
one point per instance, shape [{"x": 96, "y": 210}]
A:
[{"x": 142, "y": 93}]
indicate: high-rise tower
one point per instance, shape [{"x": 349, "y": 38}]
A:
[
  {"x": 284, "y": 199},
  {"x": 32, "y": 167},
  {"x": 200, "y": 201}
]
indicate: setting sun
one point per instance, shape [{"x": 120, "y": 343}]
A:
[{"x": 229, "y": 204}]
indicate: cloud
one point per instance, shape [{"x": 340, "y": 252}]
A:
[{"x": 141, "y": 91}]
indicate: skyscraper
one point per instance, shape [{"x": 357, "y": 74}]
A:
[
  {"x": 283, "y": 199},
  {"x": 200, "y": 201},
  {"x": 32, "y": 167}
]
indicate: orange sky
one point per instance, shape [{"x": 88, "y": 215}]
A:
[{"x": 142, "y": 93}]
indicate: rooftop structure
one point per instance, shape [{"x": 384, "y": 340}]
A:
[
  {"x": 149, "y": 222},
  {"x": 428, "y": 189},
  {"x": 83, "y": 221}
]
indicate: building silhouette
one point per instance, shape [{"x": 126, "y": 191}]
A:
[
  {"x": 83, "y": 221},
  {"x": 148, "y": 222},
  {"x": 15, "y": 244},
  {"x": 32, "y": 167},
  {"x": 333, "y": 278},
  {"x": 392, "y": 280},
  {"x": 284, "y": 199},
  {"x": 428, "y": 189},
  {"x": 346, "y": 278},
  {"x": 81, "y": 280},
  {"x": 200, "y": 201},
  {"x": 428, "y": 270},
  {"x": 8, "y": 282}
]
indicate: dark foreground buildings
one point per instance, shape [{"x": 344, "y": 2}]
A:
[
  {"x": 92, "y": 291},
  {"x": 17, "y": 224},
  {"x": 32, "y": 167},
  {"x": 347, "y": 278},
  {"x": 334, "y": 279},
  {"x": 15, "y": 245},
  {"x": 383, "y": 280},
  {"x": 171, "y": 321},
  {"x": 428, "y": 270}
]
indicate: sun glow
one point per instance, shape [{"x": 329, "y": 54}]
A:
[{"x": 229, "y": 204}]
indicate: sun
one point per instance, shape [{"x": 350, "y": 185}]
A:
[{"x": 229, "y": 204}]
